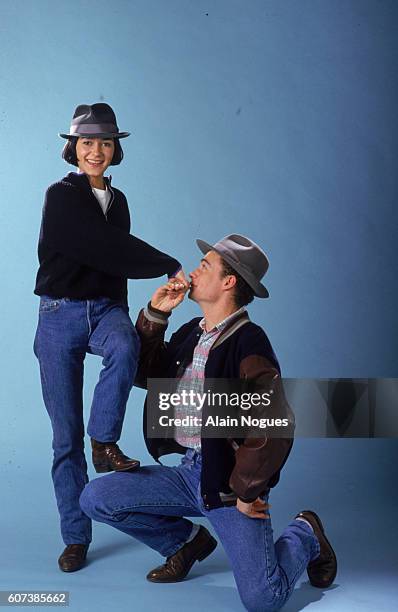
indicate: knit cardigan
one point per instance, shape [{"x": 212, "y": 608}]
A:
[{"x": 85, "y": 254}]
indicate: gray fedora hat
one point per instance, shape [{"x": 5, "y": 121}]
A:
[
  {"x": 244, "y": 256},
  {"x": 95, "y": 120}
]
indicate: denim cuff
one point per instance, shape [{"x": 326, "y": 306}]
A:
[{"x": 175, "y": 273}]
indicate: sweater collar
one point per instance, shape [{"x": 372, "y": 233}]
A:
[
  {"x": 80, "y": 179},
  {"x": 224, "y": 323},
  {"x": 232, "y": 325}
]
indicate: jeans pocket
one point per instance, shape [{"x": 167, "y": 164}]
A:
[{"x": 48, "y": 304}]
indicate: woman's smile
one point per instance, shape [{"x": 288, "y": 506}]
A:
[
  {"x": 94, "y": 155},
  {"x": 95, "y": 162}
]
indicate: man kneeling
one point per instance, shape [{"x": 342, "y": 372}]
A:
[{"x": 220, "y": 479}]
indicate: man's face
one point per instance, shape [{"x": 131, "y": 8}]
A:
[{"x": 207, "y": 279}]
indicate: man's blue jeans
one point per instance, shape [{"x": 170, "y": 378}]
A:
[
  {"x": 67, "y": 330},
  {"x": 150, "y": 503}
]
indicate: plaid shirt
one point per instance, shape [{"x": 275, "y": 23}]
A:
[{"x": 193, "y": 379}]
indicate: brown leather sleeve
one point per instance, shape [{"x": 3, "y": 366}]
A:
[
  {"x": 153, "y": 347},
  {"x": 255, "y": 367},
  {"x": 257, "y": 460}
]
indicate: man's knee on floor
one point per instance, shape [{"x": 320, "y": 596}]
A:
[{"x": 258, "y": 599}]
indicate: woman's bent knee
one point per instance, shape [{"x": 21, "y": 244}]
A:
[{"x": 124, "y": 347}]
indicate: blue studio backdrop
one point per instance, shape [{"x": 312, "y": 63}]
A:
[{"x": 272, "y": 119}]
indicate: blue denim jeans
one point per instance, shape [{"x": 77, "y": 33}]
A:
[
  {"x": 150, "y": 504},
  {"x": 67, "y": 330}
]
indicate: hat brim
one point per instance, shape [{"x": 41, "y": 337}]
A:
[
  {"x": 101, "y": 135},
  {"x": 258, "y": 288}
]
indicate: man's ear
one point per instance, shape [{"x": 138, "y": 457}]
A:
[{"x": 229, "y": 282}]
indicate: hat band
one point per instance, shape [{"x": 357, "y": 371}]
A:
[{"x": 93, "y": 128}]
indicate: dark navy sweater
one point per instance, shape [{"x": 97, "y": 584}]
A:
[{"x": 85, "y": 254}]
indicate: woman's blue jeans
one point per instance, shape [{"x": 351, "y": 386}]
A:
[
  {"x": 67, "y": 330},
  {"x": 149, "y": 504}
]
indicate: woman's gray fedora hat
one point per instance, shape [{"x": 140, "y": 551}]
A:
[
  {"x": 95, "y": 120},
  {"x": 244, "y": 256}
]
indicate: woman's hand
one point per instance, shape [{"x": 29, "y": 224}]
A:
[
  {"x": 254, "y": 509},
  {"x": 170, "y": 295}
]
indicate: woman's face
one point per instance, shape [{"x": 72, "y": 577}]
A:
[{"x": 94, "y": 155}]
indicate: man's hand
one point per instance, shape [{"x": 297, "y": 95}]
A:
[
  {"x": 181, "y": 276},
  {"x": 171, "y": 294},
  {"x": 253, "y": 509}
]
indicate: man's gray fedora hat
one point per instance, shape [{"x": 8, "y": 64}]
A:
[
  {"x": 95, "y": 120},
  {"x": 244, "y": 256}
]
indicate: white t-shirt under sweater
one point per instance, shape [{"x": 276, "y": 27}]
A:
[{"x": 103, "y": 196}]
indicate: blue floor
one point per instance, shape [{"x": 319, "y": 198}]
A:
[{"x": 354, "y": 497}]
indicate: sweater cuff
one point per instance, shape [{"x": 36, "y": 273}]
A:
[
  {"x": 155, "y": 315},
  {"x": 175, "y": 272}
]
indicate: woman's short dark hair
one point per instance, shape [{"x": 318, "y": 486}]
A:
[
  {"x": 243, "y": 293},
  {"x": 69, "y": 152}
]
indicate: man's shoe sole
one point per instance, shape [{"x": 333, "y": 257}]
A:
[
  {"x": 73, "y": 569},
  {"x": 101, "y": 468},
  {"x": 320, "y": 525}
]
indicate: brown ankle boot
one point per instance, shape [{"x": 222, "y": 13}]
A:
[
  {"x": 73, "y": 557},
  {"x": 178, "y": 565},
  {"x": 108, "y": 457},
  {"x": 322, "y": 570}
]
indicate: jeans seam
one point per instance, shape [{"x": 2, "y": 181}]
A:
[
  {"x": 88, "y": 317},
  {"x": 267, "y": 561},
  {"x": 136, "y": 507}
]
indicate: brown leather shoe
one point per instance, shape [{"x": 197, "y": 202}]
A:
[
  {"x": 73, "y": 557},
  {"x": 322, "y": 570},
  {"x": 178, "y": 565},
  {"x": 108, "y": 457}
]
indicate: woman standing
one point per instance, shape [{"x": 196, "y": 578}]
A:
[{"x": 86, "y": 255}]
